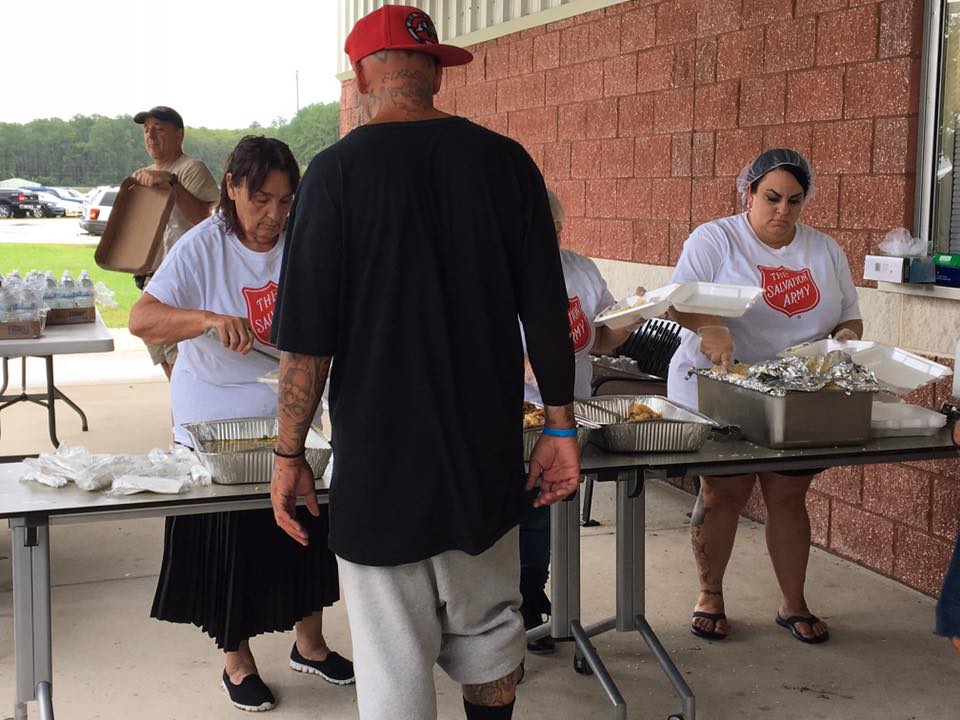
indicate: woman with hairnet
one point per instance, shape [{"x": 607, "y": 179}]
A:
[
  {"x": 808, "y": 295},
  {"x": 587, "y": 294}
]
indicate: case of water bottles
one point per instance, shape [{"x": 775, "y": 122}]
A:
[
  {"x": 29, "y": 303},
  {"x": 70, "y": 301}
]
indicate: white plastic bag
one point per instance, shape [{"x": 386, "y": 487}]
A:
[{"x": 899, "y": 243}]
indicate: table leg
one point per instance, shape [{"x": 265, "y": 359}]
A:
[
  {"x": 564, "y": 566},
  {"x": 6, "y": 374},
  {"x": 31, "y": 614},
  {"x": 51, "y": 407},
  {"x": 630, "y": 596}
]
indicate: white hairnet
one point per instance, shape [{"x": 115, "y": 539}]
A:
[
  {"x": 556, "y": 207},
  {"x": 769, "y": 160}
]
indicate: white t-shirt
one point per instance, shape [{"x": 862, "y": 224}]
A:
[
  {"x": 210, "y": 269},
  {"x": 808, "y": 291},
  {"x": 198, "y": 181},
  {"x": 587, "y": 294}
]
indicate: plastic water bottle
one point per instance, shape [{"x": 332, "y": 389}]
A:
[
  {"x": 50, "y": 295},
  {"x": 87, "y": 292},
  {"x": 68, "y": 290}
]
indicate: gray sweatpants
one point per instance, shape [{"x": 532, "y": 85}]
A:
[{"x": 456, "y": 610}]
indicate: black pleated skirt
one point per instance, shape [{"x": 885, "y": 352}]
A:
[{"x": 236, "y": 574}]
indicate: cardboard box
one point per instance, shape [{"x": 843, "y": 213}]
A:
[
  {"x": 948, "y": 270},
  {"x": 898, "y": 269},
  {"x": 71, "y": 316},
  {"x": 21, "y": 330},
  {"x": 133, "y": 239}
]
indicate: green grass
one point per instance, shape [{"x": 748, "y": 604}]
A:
[{"x": 74, "y": 258}]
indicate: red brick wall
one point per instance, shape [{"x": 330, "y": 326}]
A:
[{"x": 640, "y": 117}]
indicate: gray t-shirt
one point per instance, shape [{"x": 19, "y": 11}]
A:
[{"x": 198, "y": 181}]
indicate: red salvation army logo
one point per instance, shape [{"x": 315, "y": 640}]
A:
[
  {"x": 579, "y": 325},
  {"x": 791, "y": 292},
  {"x": 421, "y": 29},
  {"x": 260, "y": 302}
]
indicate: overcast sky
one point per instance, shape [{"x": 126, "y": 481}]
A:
[{"x": 220, "y": 63}]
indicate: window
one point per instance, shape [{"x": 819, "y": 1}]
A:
[{"x": 938, "y": 177}]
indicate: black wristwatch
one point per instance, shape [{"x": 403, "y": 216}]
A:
[{"x": 173, "y": 179}]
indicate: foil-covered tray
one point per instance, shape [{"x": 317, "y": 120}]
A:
[
  {"x": 531, "y": 436},
  {"x": 677, "y": 430},
  {"x": 248, "y": 465}
]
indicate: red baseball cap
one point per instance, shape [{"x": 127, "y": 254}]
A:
[{"x": 400, "y": 27}]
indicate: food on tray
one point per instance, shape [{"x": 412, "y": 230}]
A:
[
  {"x": 628, "y": 303},
  {"x": 739, "y": 369},
  {"x": 640, "y": 412},
  {"x": 239, "y": 444},
  {"x": 533, "y": 416}
]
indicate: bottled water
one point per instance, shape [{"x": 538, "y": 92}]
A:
[
  {"x": 68, "y": 290},
  {"x": 87, "y": 294},
  {"x": 51, "y": 293}
]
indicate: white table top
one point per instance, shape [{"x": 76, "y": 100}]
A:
[
  {"x": 25, "y": 499},
  {"x": 62, "y": 340}
]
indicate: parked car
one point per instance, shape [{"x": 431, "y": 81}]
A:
[
  {"x": 70, "y": 206},
  {"x": 97, "y": 211},
  {"x": 67, "y": 198},
  {"x": 18, "y": 203},
  {"x": 52, "y": 206}
]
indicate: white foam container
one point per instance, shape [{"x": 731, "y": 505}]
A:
[
  {"x": 893, "y": 418},
  {"x": 705, "y": 298},
  {"x": 621, "y": 314},
  {"x": 898, "y": 371},
  {"x": 702, "y": 298}
]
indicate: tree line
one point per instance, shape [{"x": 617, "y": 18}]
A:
[{"x": 86, "y": 151}]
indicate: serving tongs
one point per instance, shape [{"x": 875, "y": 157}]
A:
[{"x": 616, "y": 418}]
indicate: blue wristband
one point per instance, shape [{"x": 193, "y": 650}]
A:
[{"x": 560, "y": 432}]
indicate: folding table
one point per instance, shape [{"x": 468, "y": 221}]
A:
[{"x": 56, "y": 340}]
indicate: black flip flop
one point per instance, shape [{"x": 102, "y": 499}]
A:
[
  {"x": 790, "y": 624},
  {"x": 708, "y": 634}
]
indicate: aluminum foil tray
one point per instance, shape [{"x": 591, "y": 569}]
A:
[
  {"x": 678, "y": 429},
  {"x": 254, "y": 465},
  {"x": 531, "y": 436}
]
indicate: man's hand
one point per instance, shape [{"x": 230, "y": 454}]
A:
[
  {"x": 153, "y": 178},
  {"x": 556, "y": 462},
  {"x": 234, "y": 333},
  {"x": 716, "y": 343},
  {"x": 292, "y": 478}
]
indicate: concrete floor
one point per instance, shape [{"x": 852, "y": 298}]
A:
[{"x": 112, "y": 661}]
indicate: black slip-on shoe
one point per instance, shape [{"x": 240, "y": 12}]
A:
[
  {"x": 335, "y": 669},
  {"x": 252, "y": 694}
]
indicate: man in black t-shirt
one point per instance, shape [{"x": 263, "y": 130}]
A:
[{"x": 414, "y": 245}]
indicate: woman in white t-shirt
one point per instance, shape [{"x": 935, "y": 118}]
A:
[
  {"x": 587, "y": 294},
  {"x": 808, "y": 295},
  {"x": 236, "y": 574}
]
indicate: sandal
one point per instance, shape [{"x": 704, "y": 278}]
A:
[
  {"x": 790, "y": 624},
  {"x": 708, "y": 634}
]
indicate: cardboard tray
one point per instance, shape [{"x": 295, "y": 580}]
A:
[
  {"x": 21, "y": 330},
  {"x": 133, "y": 239},
  {"x": 71, "y": 316}
]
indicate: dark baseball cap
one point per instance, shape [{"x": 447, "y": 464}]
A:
[
  {"x": 160, "y": 112},
  {"x": 400, "y": 27}
]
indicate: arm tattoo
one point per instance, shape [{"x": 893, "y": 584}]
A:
[
  {"x": 301, "y": 382},
  {"x": 493, "y": 694}
]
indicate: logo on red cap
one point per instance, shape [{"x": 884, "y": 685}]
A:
[{"x": 421, "y": 28}]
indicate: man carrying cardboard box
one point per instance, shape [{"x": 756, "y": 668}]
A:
[{"x": 194, "y": 189}]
